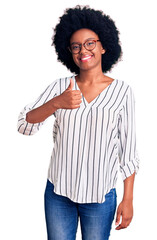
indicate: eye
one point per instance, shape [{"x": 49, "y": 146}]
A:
[
  {"x": 76, "y": 46},
  {"x": 90, "y": 43}
]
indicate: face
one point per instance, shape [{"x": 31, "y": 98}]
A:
[{"x": 87, "y": 59}]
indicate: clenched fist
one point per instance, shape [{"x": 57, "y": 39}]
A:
[{"x": 69, "y": 99}]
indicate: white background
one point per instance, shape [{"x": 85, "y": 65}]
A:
[{"x": 28, "y": 65}]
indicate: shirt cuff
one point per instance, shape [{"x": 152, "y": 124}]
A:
[{"x": 128, "y": 169}]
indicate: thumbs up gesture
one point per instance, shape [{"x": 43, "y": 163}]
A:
[{"x": 70, "y": 99}]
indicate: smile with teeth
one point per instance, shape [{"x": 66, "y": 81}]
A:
[{"x": 83, "y": 59}]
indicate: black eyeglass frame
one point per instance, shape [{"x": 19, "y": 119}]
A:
[{"x": 80, "y": 46}]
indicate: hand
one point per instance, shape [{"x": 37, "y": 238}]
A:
[
  {"x": 69, "y": 98},
  {"x": 125, "y": 209}
]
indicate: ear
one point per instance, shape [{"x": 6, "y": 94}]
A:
[{"x": 103, "y": 50}]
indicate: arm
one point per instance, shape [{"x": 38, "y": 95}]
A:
[
  {"x": 128, "y": 158},
  {"x": 128, "y": 188},
  {"x": 33, "y": 115},
  {"x": 125, "y": 208},
  {"x": 40, "y": 114}
]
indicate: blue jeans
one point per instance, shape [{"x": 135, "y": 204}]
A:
[{"x": 62, "y": 214}]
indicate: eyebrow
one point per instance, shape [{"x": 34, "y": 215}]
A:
[{"x": 85, "y": 40}]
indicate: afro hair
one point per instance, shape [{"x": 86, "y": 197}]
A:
[{"x": 79, "y": 17}]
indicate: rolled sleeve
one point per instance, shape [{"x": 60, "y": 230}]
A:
[
  {"x": 27, "y": 128},
  {"x": 127, "y": 151}
]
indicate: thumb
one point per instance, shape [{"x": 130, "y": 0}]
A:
[
  {"x": 118, "y": 217},
  {"x": 70, "y": 87}
]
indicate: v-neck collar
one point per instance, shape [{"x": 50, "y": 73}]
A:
[{"x": 89, "y": 103}]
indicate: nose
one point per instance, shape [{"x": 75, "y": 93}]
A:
[{"x": 83, "y": 49}]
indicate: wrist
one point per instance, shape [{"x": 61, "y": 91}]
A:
[
  {"x": 127, "y": 199},
  {"x": 55, "y": 102}
]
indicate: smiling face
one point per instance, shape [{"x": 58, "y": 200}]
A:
[{"x": 87, "y": 59}]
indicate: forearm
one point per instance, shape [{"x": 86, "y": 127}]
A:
[
  {"x": 39, "y": 114},
  {"x": 128, "y": 187}
]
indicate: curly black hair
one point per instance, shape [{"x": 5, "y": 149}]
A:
[{"x": 79, "y": 17}]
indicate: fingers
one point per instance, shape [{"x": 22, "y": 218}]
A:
[
  {"x": 71, "y": 98},
  {"x": 77, "y": 92},
  {"x": 124, "y": 224},
  {"x": 125, "y": 210}
]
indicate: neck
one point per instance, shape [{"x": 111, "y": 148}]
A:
[{"x": 90, "y": 77}]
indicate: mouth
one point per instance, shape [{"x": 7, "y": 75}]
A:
[{"x": 86, "y": 58}]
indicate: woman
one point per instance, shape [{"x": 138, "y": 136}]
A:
[{"x": 93, "y": 132}]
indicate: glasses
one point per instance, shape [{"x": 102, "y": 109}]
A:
[{"x": 89, "y": 45}]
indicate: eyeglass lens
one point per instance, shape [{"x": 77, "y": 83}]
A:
[{"x": 89, "y": 45}]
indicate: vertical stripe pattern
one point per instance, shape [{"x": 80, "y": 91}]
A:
[
  {"x": 91, "y": 143},
  {"x": 31, "y": 128}
]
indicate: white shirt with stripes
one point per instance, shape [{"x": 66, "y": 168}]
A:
[{"x": 91, "y": 142}]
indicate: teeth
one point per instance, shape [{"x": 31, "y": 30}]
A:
[{"x": 86, "y": 58}]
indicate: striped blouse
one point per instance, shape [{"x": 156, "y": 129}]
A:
[{"x": 91, "y": 142}]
